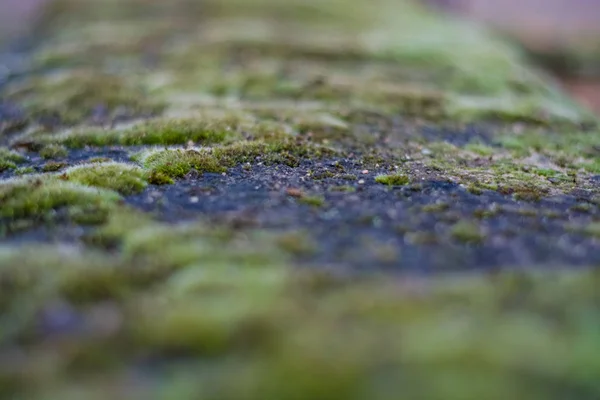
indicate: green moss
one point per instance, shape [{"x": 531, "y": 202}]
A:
[
  {"x": 75, "y": 97},
  {"x": 565, "y": 149},
  {"x": 159, "y": 178},
  {"x": 474, "y": 189},
  {"x": 38, "y": 196},
  {"x": 263, "y": 322},
  {"x": 154, "y": 132},
  {"x": 593, "y": 229},
  {"x": 53, "y": 151},
  {"x": 9, "y": 155},
  {"x": 297, "y": 243},
  {"x": 9, "y": 159},
  {"x": 344, "y": 188},
  {"x": 525, "y": 192},
  {"x": 53, "y": 166},
  {"x": 176, "y": 163},
  {"x": 546, "y": 172},
  {"x": 122, "y": 178},
  {"x": 467, "y": 232},
  {"x": 528, "y": 177},
  {"x": 480, "y": 149},
  {"x": 393, "y": 180},
  {"x": 321, "y": 174},
  {"x": 313, "y": 201},
  {"x": 435, "y": 208},
  {"x": 24, "y": 171},
  {"x": 542, "y": 110},
  {"x": 4, "y": 165},
  {"x": 192, "y": 307}
]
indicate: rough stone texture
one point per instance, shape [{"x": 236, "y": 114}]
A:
[{"x": 291, "y": 200}]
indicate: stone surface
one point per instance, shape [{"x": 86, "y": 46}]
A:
[{"x": 294, "y": 200}]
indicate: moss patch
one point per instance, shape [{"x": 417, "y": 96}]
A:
[
  {"x": 37, "y": 196},
  {"x": 393, "y": 180},
  {"x": 9, "y": 159},
  {"x": 166, "y": 164},
  {"x": 467, "y": 232},
  {"x": 80, "y": 96},
  {"x": 53, "y": 151},
  {"x": 175, "y": 163},
  {"x": 314, "y": 201},
  {"x": 122, "y": 178},
  {"x": 275, "y": 99},
  {"x": 154, "y": 132}
]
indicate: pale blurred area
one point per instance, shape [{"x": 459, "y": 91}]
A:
[
  {"x": 16, "y": 17},
  {"x": 563, "y": 34},
  {"x": 545, "y": 26},
  {"x": 543, "y": 23},
  {"x": 539, "y": 22}
]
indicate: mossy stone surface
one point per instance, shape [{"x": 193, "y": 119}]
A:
[{"x": 302, "y": 199}]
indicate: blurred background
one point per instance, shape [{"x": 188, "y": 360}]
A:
[{"x": 563, "y": 36}]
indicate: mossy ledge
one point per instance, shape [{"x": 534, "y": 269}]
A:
[{"x": 379, "y": 128}]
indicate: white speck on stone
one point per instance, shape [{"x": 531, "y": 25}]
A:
[{"x": 194, "y": 199}]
